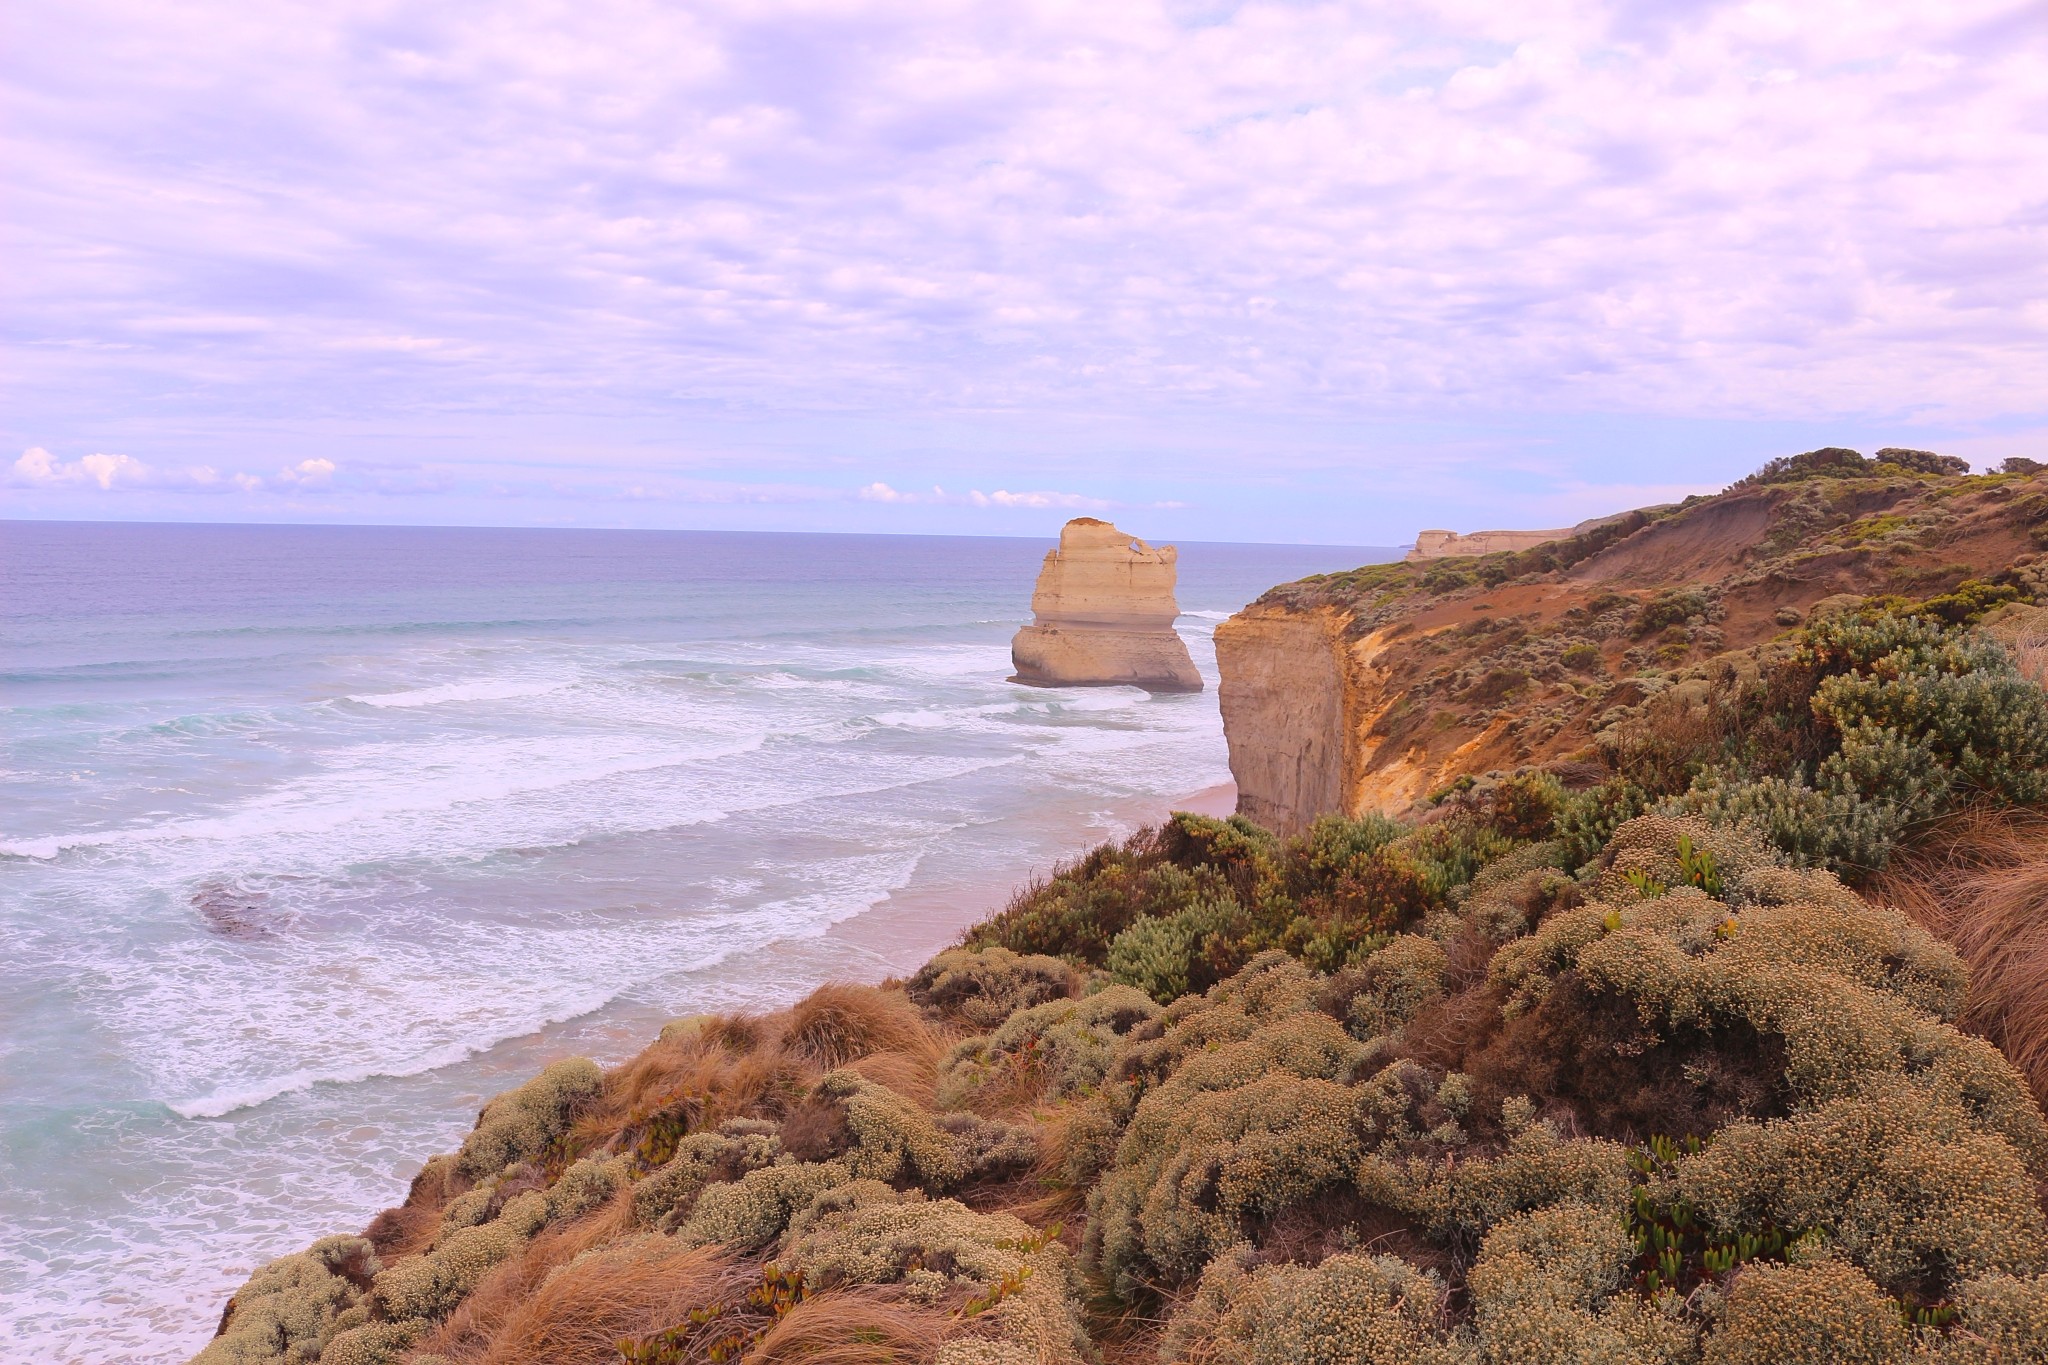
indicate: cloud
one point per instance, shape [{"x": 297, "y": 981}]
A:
[
  {"x": 1004, "y": 498},
  {"x": 974, "y": 497},
  {"x": 38, "y": 468},
  {"x": 788, "y": 220},
  {"x": 311, "y": 473},
  {"x": 1359, "y": 206}
]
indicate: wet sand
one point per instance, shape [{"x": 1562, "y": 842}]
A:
[{"x": 903, "y": 930}]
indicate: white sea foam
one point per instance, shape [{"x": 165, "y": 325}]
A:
[{"x": 483, "y": 689}]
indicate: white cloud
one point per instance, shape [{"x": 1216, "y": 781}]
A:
[
  {"x": 974, "y": 497},
  {"x": 307, "y": 473},
  {"x": 1004, "y": 498},
  {"x": 38, "y": 468}
]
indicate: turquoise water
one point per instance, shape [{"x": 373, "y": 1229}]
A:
[{"x": 313, "y": 837}]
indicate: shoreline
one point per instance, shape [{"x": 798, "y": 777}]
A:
[{"x": 907, "y": 927}]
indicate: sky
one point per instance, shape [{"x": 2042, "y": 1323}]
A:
[{"x": 1319, "y": 273}]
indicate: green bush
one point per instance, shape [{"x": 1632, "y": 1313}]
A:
[
  {"x": 286, "y": 1312},
  {"x": 1053, "y": 1051},
  {"x": 1348, "y": 1310},
  {"x": 521, "y": 1124},
  {"x": 983, "y": 988}
]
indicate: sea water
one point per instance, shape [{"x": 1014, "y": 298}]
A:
[{"x": 315, "y": 837}]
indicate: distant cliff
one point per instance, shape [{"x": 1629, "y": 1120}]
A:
[
  {"x": 1372, "y": 689},
  {"x": 1454, "y": 544}
]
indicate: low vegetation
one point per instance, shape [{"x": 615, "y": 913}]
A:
[{"x": 1720, "y": 1040}]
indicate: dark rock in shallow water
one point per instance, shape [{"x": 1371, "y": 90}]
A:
[{"x": 235, "y": 911}]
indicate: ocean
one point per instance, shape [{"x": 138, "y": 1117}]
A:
[{"x": 315, "y": 837}]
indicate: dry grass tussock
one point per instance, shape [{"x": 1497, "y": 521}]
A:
[
  {"x": 1983, "y": 888},
  {"x": 713, "y": 1068},
  {"x": 837, "y": 1024},
  {"x": 867, "y": 1326},
  {"x": 2030, "y": 652},
  {"x": 526, "y": 1313},
  {"x": 718, "y": 1079}
]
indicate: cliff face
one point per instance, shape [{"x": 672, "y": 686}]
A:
[
  {"x": 1102, "y": 614},
  {"x": 1372, "y": 689}
]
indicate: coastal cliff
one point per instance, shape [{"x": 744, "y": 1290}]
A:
[
  {"x": 1370, "y": 690},
  {"x": 1711, "y": 1034},
  {"x": 1102, "y": 615}
]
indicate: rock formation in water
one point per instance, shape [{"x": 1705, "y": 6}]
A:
[{"x": 1103, "y": 615}]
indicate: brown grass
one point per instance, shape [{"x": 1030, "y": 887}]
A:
[
  {"x": 854, "y": 1327},
  {"x": 914, "y": 1075},
  {"x": 840, "y": 1023},
  {"x": 2030, "y": 652},
  {"x": 698, "y": 1079},
  {"x": 470, "y": 1329},
  {"x": 411, "y": 1226},
  {"x": 1982, "y": 886},
  {"x": 522, "y": 1315}
]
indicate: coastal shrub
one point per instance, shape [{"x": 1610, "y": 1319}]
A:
[
  {"x": 1013, "y": 1277},
  {"x": 1999, "y": 1318},
  {"x": 1086, "y": 903},
  {"x": 1827, "y": 462},
  {"x": 1050, "y": 1051},
  {"x": 989, "y": 1149},
  {"x": 1881, "y": 720},
  {"x": 521, "y": 1124},
  {"x": 375, "y": 1343},
  {"x": 1845, "y": 986},
  {"x": 893, "y": 1137},
  {"x": 700, "y": 1159},
  {"x": 1904, "y": 1181},
  {"x": 1826, "y": 1313},
  {"x": 286, "y": 1311},
  {"x": 1348, "y": 1310},
  {"x": 1166, "y": 956},
  {"x": 982, "y": 989},
  {"x": 1546, "y": 1287},
  {"x": 1922, "y": 461},
  {"x": 1832, "y": 829},
  {"x": 1176, "y": 909},
  {"x": 1395, "y": 982},
  {"x": 1512, "y": 894},
  {"x": 751, "y": 1212},
  {"x": 1236, "y": 1131},
  {"x": 1587, "y": 820},
  {"x": 425, "y": 1287}
]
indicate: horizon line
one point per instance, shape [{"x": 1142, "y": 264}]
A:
[{"x": 642, "y": 530}]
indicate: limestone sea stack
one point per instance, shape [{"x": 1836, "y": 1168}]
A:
[{"x": 1102, "y": 615}]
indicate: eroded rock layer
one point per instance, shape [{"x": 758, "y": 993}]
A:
[
  {"x": 1103, "y": 614},
  {"x": 1371, "y": 690}
]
